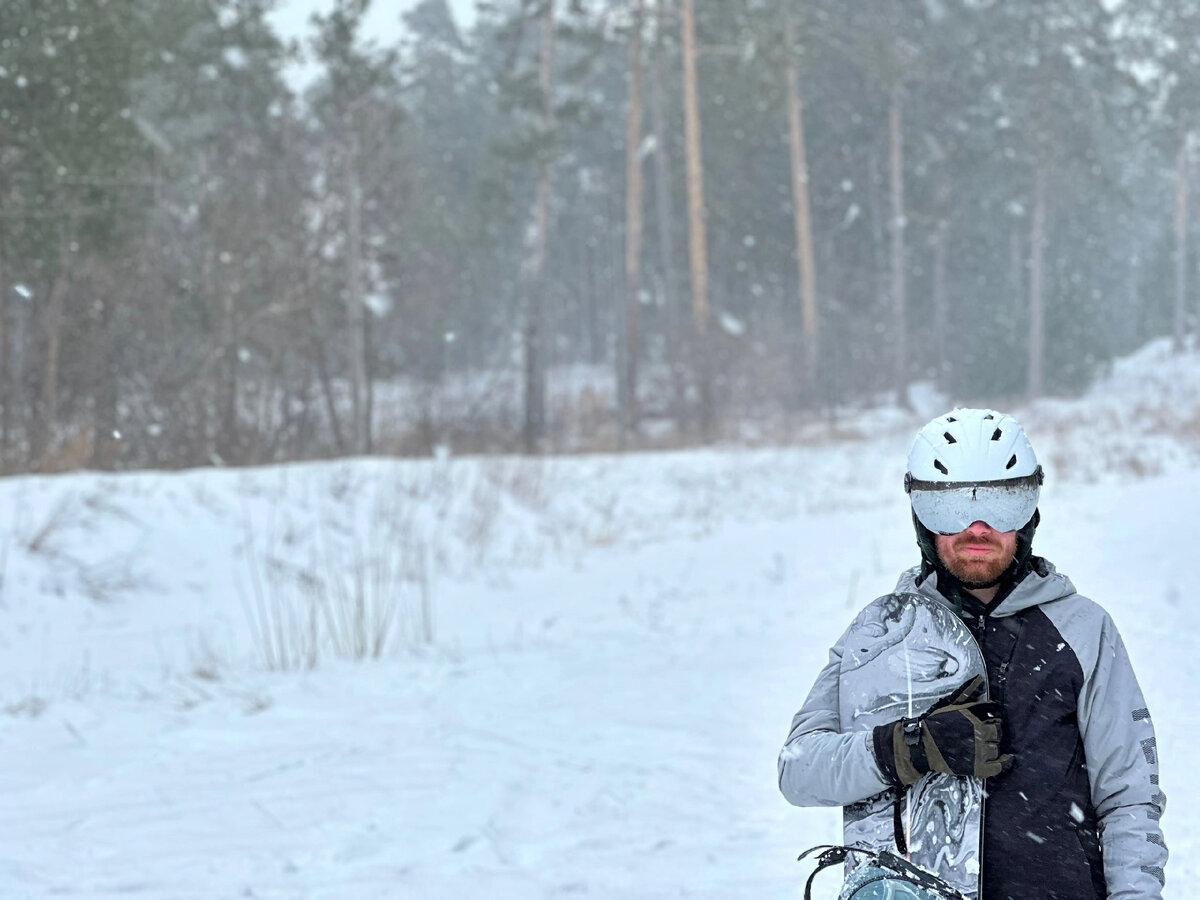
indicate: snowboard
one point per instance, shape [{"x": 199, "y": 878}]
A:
[{"x": 903, "y": 653}]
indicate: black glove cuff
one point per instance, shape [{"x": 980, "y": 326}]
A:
[{"x": 885, "y": 752}]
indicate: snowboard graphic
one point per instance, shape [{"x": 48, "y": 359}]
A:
[{"x": 904, "y": 653}]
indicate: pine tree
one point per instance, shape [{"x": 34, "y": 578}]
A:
[{"x": 358, "y": 106}]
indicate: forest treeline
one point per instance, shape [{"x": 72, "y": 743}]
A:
[{"x": 738, "y": 211}]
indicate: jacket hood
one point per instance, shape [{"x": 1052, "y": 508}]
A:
[{"x": 1043, "y": 584}]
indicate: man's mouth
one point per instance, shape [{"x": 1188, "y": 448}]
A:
[{"x": 978, "y": 549}]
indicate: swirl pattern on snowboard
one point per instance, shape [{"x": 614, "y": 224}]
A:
[{"x": 903, "y": 653}]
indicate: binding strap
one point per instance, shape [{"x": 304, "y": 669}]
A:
[
  {"x": 898, "y": 825},
  {"x": 910, "y": 729},
  {"x": 831, "y": 856}
]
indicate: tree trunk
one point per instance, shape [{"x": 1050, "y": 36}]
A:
[
  {"x": 227, "y": 444},
  {"x": 628, "y": 375},
  {"x": 535, "y": 364},
  {"x": 941, "y": 309},
  {"x": 1037, "y": 251},
  {"x": 1016, "y": 267},
  {"x": 665, "y": 215},
  {"x": 805, "y": 261},
  {"x": 106, "y": 441},
  {"x": 327, "y": 391},
  {"x": 898, "y": 224},
  {"x": 315, "y": 336},
  {"x": 355, "y": 325},
  {"x": 595, "y": 338},
  {"x": 368, "y": 392},
  {"x": 697, "y": 237},
  {"x": 47, "y": 417},
  {"x": 1181, "y": 249},
  {"x": 941, "y": 306},
  {"x": 877, "y": 198}
]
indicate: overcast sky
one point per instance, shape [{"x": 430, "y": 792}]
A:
[{"x": 291, "y": 19}]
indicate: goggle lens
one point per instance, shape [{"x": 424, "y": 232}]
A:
[{"x": 951, "y": 507}]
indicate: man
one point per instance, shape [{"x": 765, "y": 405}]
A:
[{"x": 1065, "y": 742}]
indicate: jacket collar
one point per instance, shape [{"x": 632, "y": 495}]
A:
[{"x": 1042, "y": 584}]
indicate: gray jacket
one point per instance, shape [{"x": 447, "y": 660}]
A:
[{"x": 1078, "y": 814}]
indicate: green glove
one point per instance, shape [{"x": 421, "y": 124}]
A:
[{"x": 959, "y": 735}]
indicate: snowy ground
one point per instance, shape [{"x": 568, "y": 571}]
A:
[{"x": 618, "y": 645}]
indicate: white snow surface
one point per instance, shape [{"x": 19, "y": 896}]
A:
[{"x": 595, "y": 705}]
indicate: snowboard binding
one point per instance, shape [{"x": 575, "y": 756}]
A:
[{"x": 880, "y": 876}]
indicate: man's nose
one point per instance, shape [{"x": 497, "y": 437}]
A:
[{"x": 980, "y": 527}]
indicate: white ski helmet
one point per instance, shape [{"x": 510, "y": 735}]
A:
[{"x": 973, "y": 465}]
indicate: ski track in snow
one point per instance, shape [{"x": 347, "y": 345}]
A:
[{"x": 618, "y": 652}]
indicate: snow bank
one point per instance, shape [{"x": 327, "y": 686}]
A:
[{"x": 589, "y": 665}]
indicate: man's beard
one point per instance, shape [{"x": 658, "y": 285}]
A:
[{"x": 976, "y": 573}]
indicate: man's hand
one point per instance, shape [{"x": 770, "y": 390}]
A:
[{"x": 959, "y": 735}]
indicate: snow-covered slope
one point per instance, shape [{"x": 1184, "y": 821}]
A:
[{"x": 588, "y": 664}]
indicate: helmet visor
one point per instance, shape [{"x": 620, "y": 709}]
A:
[{"x": 948, "y": 507}]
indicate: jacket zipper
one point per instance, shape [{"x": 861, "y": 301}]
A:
[
  {"x": 982, "y": 783},
  {"x": 981, "y": 621}
]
